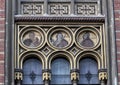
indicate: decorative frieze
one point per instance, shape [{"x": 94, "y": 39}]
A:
[
  {"x": 86, "y": 8},
  {"x": 32, "y": 8},
  {"x": 59, "y": 9}
]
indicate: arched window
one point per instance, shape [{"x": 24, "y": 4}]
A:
[
  {"x": 60, "y": 71},
  {"x": 88, "y": 72},
  {"x": 32, "y": 72}
]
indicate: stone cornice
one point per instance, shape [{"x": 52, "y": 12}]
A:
[{"x": 31, "y": 18}]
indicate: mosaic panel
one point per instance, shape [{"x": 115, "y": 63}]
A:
[
  {"x": 60, "y": 39},
  {"x": 32, "y": 39}
]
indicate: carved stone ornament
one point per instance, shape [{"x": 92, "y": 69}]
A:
[
  {"x": 32, "y": 8},
  {"x": 46, "y": 76},
  {"x": 59, "y": 9},
  {"x": 74, "y": 50},
  {"x": 46, "y": 50},
  {"x": 18, "y": 76},
  {"x": 74, "y": 76},
  {"x": 103, "y": 76},
  {"x": 86, "y": 8}
]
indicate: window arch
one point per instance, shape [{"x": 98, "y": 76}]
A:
[
  {"x": 88, "y": 72},
  {"x": 60, "y": 71},
  {"x": 32, "y": 72}
]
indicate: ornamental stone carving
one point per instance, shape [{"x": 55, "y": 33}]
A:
[
  {"x": 86, "y": 9},
  {"x": 59, "y": 9},
  {"x": 32, "y": 8}
]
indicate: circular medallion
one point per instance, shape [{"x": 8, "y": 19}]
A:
[
  {"x": 60, "y": 38},
  {"x": 32, "y": 37},
  {"x": 87, "y": 38}
]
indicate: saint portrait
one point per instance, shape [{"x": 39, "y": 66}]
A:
[
  {"x": 32, "y": 39},
  {"x": 86, "y": 40},
  {"x": 59, "y": 40}
]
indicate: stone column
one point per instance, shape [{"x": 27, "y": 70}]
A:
[
  {"x": 74, "y": 77},
  {"x": 45, "y": 7},
  {"x": 46, "y": 77},
  {"x": 72, "y": 7},
  {"x": 18, "y": 77},
  {"x": 103, "y": 76}
]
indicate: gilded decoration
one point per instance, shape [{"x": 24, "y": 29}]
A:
[
  {"x": 103, "y": 76},
  {"x": 46, "y": 76},
  {"x": 74, "y": 76},
  {"x": 59, "y": 41},
  {"x": 18, "y": 76}
]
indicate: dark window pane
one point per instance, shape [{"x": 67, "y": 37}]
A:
[
  {"x": 88, "y": 72},
  {"x": 60, "y": 72},
  {"x": 32, "y": 72}
]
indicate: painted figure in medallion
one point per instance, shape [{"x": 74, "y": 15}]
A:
[
  {"x": 87, "y": 42},
  {"x": 32, "y": 40},
  {"x": 60, "y": 40}
]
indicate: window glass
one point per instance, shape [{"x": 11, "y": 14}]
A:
[
  {"x": 60, "y": 71},
  {"x": 88, "y": 72},
  {"x": 32, "y": 72}
]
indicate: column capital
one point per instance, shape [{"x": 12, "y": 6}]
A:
[
  {"x": 18, "y": 75},
  {"x": 46, "y": 76},
  {"x": 103, "y": 76},
  {"x": 74, "y": 76}
]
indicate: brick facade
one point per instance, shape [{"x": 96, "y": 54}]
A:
[
  {"x": 2, "y": 33},
  {"x": 117, "y": 30}
]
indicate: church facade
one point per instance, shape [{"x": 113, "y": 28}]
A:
[{"x": 59, "y": 42}]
